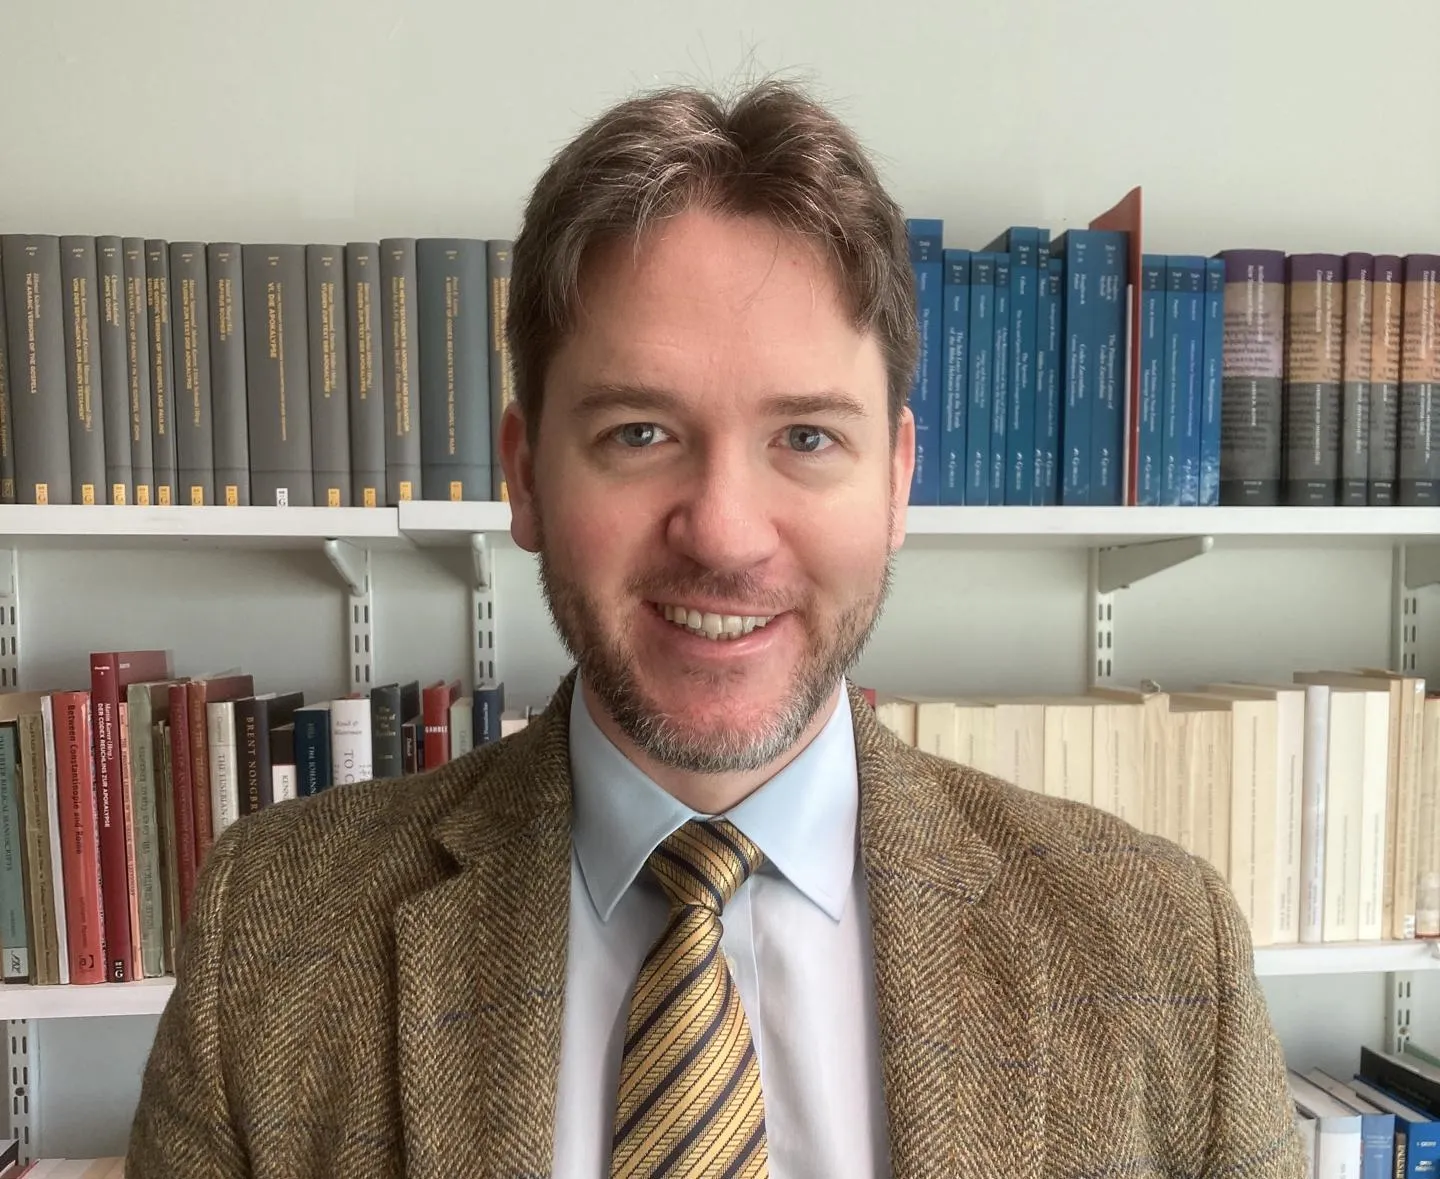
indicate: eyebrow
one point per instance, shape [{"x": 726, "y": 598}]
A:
[{"x": 647, "y": 398}]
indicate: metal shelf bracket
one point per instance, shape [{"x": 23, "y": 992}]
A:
[
  {"x": 1123, "y": 565},
  {"x": 482, "y": 611},
  {"x": 353, "y": 565},
  {"x": 24, "y": 1063},
  {"x": 1422, "y": 565}
]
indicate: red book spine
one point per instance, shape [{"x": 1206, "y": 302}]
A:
[
  {"x": 114, "y": 861},
  {"x": 80, "y": 845},
  {"x": 184, "y": 787},
  {"x": 435, "y": 705}
]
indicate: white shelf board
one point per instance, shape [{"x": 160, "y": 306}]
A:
[
  {"x": 147, "y": 997},
  {"x": 104, "y": 525},
  {"x": 1347, "y": 958},
  {"x": 150, "y": 996},
  {"x": 430, "y": 522}
]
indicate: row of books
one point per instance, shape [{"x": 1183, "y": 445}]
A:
[
  {"x": 1382, "y": 1122},
  {"x": 112, "y": 794},
  {"x": 1079, "y": 371},
  {"x": 143, "y": 371},
  {"x": 1317, "y": 800}
]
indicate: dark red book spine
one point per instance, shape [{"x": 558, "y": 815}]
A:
[
  {"x": 114, "y": 863},
  {"x": 435, "y": 708}
]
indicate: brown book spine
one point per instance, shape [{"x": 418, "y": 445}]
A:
[
  {"x": 1385, "y": 381},
  {"x": 79, "y": 848},
  {"x": 105, "y": 706},
  {"x": 183, "y": 800}
]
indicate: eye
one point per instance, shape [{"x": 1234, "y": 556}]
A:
[
  {"x": 637, "y": 435},
  {"x": 807, "y": 439}
]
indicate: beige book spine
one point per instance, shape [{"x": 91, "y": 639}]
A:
[
  {"x": 1380, "y": 739},
  {"x": 977, "y": 740},
  {"x": 1404, "y": 822},
  {"x": 1069, "y": 752},
  {"x": 1289, "y": 813},
  {"x": 1241, "y": 824},
  {"x": 1427, "y": 847},
  {"x": 1346, "y": 769},
  {"x": 935, "y": 729},
  {"x": 897, "y": 715}
]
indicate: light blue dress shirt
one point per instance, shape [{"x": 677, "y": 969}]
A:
[{"x": 796, "y": 936}]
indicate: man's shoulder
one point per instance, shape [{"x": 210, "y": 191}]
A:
[
  {"x": 369, "y": 841},
  {"x": 1095, "y": 881}
]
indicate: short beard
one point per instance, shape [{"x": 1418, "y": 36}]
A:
[{"x": 605, "y": 670}]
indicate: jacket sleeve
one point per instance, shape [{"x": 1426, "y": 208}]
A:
[
  {"x": 1252, "y": 1128},
  {"x": 182, "y": 1126}
]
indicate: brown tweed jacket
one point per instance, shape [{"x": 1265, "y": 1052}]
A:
[{"x": 372, "y": 982}]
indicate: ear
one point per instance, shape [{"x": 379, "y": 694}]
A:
[
  {"x": 902, "y": 470},
  {"x": 517, "y": 460}
]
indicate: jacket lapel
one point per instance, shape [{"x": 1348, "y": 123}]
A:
[
  {"x": 481, "y": 969},
  {"x": 960, "y": 981}
]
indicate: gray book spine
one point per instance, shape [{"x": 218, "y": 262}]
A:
[
  {"x": 1355, "y": 402},
  {"x": 228, "y": 399},
  {"x": 34, "y": 306},
  {"x": 137, "y": 349},
  {"x": 80, "y": 277},
  {"x": 162, "y": 370},
  {"x": 277, "y": 367},
  {"x": 401, "y": 379},
  {"x": 454, "y": 299},
  {"x": 1419, "y": 483},
  {"x": 194, "y": 418},
  {"x": 502, "y": 368},
  {"x": 114, "y": 369},
  {"x": 7, "y": 437},
  {"x": 1253, "y": 378},
  {"x": 1385, "y": 381},
  {"x": 329, "y": 384},
  {"x": 367, "y": 395}
]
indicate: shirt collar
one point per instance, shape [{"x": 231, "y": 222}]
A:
[{"x": 803, "y": 818}]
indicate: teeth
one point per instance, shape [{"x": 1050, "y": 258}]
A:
[{"x": 719, "y": 627}]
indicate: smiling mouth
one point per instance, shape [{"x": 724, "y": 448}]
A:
[{"x": 719, "y": 628}]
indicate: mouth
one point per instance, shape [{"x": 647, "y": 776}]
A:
[{"x": 719, "y": 628}]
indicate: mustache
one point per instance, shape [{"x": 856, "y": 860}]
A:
[{"x": 739, "y": 587}]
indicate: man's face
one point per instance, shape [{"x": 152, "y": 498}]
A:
[{"x": 713, "y": 493}]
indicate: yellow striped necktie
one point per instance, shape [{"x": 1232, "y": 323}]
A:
[{"x": 689, "y": 1102}]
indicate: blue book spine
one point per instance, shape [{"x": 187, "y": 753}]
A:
[
  {"x": 1081, "y": 281},
  {"x": 954, "y": 400},
  {"x": 1152, "y": 369},
  {"x": 1377, "y": 1146},
  {"x": 1192, "y": 375},
  {"x": 1214, "y": 372},
  {"x": 1047, "y": 383},
  {"x": 1172, "y": 400},
  {"x": 982, "y": 351},
  {"x": 1024, "y": 340},
  {"x": 1108, "y": 422},
  {"x": 312, "y": 750},
  {"x": 1000, "y": 388},
  {"x": 925, "y": 258}
]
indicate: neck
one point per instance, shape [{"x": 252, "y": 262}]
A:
[{"x": 707, "y": 794}]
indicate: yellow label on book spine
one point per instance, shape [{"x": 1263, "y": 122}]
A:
[
  {"x": 370, "y": 498},
  {"x": 232, "y": 496},
  {"x": 197, "y": 496},
  {"x": 332, "y": 496},
  {"x": 405, "y": 489},
  {"x": 117, "y": 494},
  {"x": 87, "y": 493},
  {"x": 142, "y": 495},
  {"x": 457, "y": 490},
  {"x": 42, "y": 493},
  {"x": 162, "y": 495}
]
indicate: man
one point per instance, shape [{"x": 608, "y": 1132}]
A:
[{"x": 704, "y": 917}]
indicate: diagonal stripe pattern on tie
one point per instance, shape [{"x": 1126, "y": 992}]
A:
[{"x": 689, "y": 1102}]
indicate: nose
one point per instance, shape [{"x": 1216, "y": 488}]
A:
[{"x": 725, "y": 518}]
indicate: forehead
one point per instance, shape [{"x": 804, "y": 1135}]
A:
[{"x": 707, "y": 296}]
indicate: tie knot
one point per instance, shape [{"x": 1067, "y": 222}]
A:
[{"x": 703, "y": 864}]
